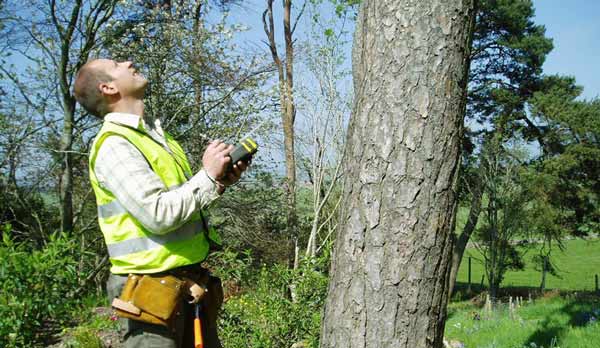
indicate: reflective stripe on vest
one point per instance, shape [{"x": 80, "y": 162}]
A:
[
  {"x": 115, "y": 208},
  {"x": 131, "y": 246}
]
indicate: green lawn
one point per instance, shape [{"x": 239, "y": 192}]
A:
[
  {"x": 577, "y": 266},
  {"x": 559, "y": 322}
]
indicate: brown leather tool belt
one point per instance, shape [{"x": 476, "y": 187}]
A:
[{"x": 157, "y": 298}]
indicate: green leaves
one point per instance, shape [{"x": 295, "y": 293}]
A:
[
  {"x": 265, "y": 316},
  {"x": 37, "y": 288},
  {"x": 507, "y": 54}
]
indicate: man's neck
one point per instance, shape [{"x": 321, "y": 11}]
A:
[{"x": 131, "y": 106}]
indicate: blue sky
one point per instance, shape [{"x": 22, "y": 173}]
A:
[{"x": 575, "y": 27}]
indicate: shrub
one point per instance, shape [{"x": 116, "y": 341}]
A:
[
  {"x": 37, "y": 289},
  {"x": 265, "y": 315}
]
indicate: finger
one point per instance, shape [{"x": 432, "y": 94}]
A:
[
  {"x": 242, "y": 166},
  {"x": 221, "y": 147},
  {"x": 236, "y": 170},
  {"x": 227, "y": 151},
  {"x": 224, "y": 159},
  {"x": 213, "y": 146}
]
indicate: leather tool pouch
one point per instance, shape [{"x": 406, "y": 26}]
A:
[{"x": 150, "y": 299}]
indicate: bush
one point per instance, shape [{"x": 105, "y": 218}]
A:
[
  {"x": 37, "y": 289},
  {"x": 265, "y": 316}
]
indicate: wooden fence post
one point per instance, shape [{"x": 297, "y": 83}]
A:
[{"x": 469, "y": 287}]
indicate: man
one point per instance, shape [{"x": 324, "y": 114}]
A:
[{"x": 149, "y": 202}]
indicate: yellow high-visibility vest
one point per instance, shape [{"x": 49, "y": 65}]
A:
[{"x": 131, "y": 247}]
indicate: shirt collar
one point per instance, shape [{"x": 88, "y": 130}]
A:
[
  {"x": 133, "y": 121},
  {"x": 129, "y": 120}
]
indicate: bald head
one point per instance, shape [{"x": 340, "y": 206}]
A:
[{"x": 87, "y": 87}]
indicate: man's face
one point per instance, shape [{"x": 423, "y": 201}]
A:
[{"x": 126, "y": 79}]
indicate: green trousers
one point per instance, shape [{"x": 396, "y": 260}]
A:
[{"x": 137, "y": 334}]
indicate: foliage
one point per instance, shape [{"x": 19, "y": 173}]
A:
[
  {"x": 341, "y": 8},
  {"x": 84, "y": 338},
  {"x": 230, "y": 265},
  {"x": 570, "y": 162},
  {"x": 565, "y": 322},
  {"x": 25, "y": 211},
  {"x": 38, "y": 289},
  {"x": 264, "y": 314},
  {"x": 97, "y": 326},
  {"x": 507, "y": 54}
]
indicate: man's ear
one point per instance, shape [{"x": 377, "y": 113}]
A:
[{"x": 108, "y": 88}]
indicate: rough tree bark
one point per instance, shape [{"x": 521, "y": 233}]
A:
[{"x": 390, "y": 270}]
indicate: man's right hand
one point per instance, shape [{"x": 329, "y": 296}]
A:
[{"x": 216, "y": 158}]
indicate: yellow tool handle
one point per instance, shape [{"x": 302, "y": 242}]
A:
[{"x": 198, "y": 340}]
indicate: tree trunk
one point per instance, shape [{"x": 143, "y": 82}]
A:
[
  {"x": 66, "y": 141},
  {"x": 390, "y": 270},
  {"x": 288, "y": 110},
  {"x": 197, "y": 47},
  {"x": 66, "y": 182},
  {"x": 544, "y": 271},
  {"x": 93, "y": 17},
  {"x": 463, "y": 239},
  {"x": 289, "y": 116}
]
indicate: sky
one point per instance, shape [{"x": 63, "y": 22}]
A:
[{"x": 574, "y": 25}]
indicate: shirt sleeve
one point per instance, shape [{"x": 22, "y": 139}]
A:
[{"x": 122, "y": 169}]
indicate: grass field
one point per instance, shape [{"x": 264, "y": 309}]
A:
[
  {"x": 577, "y": 265},
  {"x": 557, "y": 322},
  {"x": 567, "y": 321}
]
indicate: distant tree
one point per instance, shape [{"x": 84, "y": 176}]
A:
[
  {"x": 389, "y": 273},
  {"x": 507, "y": 54},
  {"x": 287, "y": 105},
  {"x": 54, "y": 39},
  {"x": 558, "y": 187},
  {"x": 505, "y": 214},
  {"x": 570, "y": 159},
  {"x": 324, "y": 108}
]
